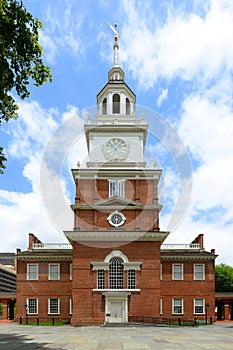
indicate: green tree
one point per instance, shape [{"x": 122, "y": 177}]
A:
[
  {"x": 223, "y": 278},
  {"x": 20, "y": 59}
]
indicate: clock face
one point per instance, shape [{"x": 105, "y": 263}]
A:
[
  {"x": 116, "y": 148},
  {"x": 116, "y": 219}
]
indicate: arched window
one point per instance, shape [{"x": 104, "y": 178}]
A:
[
  {"x": 104, "y": 106},
  {"x": 116, "y": 104},
  {"x": 116, "y": 273},
  {"x": 127, "y": 106}
]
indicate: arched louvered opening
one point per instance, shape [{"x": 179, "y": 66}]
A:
[
  {"x": 104, "y": 106},
  {"x": 116, "y": 104},
  {"x": 116, "y": 273},
  {"x": 127, "y": 106}
]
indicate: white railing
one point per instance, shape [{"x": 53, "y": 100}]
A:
[
  {"x": 181, "y": 246},
  {"x": 51, "y": 246}
]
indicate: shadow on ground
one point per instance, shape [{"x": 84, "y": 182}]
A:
[{"x": 22, "y": 342}]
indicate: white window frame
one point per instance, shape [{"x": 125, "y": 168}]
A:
[
  {"x": 175, "y": 304},
  {"x": 195, "y": 305},
  {"x": 132, "y": 279},
  {"x": 116, "y": 188},
  {"x": 32, "y": 275},
  {"x": 71, "y": 271},
  {"x": 71, "y": 306},
  {"x": 49, "y": 306},
  {"x": 53, "y": 277},
  {"x": 199, "y": 275},
  {"x": 29, "y": 306},
  {"x": 161, "y": 272},
  {"x": 178, "y": 275},
  {"x": 116, "y": 273},
  {"x": 100, "y": 279}
]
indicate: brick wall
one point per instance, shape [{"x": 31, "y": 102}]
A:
[
  {"x": 43, "y": 288},
  {"x": 188, "y": 288},
  {"x": 89, "y": 305}
]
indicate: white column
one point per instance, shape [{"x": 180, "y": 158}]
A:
[
  {"x": 122, "y": 104},
  {"x": 109, "y": 103}
]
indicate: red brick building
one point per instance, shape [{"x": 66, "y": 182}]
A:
[{"x": 116, "y": 266}]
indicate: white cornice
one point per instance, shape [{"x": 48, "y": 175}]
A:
[
  {"x": 109, "y": 171},
  {"x": 93, "y": 206},
  {"x": 43, "y": 256},
  {"x": 197, "y": 256},
  {"x": 116, "y": 163},
  {"x": 115, "y": 236}
]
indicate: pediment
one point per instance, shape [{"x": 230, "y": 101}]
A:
[{"x": 117, "y": 202}]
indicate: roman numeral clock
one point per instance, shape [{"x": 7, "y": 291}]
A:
[{"x": 115, "y": 149}]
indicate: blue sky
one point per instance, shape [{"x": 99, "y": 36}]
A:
[{"x": 178, "y": 60}]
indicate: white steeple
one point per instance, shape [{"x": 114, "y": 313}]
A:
[{"x": 116, "y": 45}]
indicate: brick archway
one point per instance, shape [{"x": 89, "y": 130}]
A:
[
  {"x": 224, "y": 305},
  {"x": 8, "y": 304}
]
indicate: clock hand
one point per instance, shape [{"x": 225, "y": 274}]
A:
[{"x": 117, "y": 145}]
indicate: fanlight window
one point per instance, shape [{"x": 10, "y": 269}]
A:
[
  {"x": 116, "y": 273},
  {"x": 116, "y": 104}
]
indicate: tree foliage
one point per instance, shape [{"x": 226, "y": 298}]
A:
[
  {"x": 223, "y": 278},
  {"x": 20, "y": 58}
]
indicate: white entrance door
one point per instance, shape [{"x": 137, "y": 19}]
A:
[{"x": 116, "y": 311}]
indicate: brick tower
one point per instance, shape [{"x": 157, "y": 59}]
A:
[{"x": 116, "y": 238}]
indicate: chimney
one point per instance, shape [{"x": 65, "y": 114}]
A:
[
  {"x": 31, "y": 240},
  {"x": 212, "y": 251},
  {"x": 200, "y": 240}
]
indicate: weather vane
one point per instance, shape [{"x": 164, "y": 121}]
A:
[{"x": 117, "y": 35}]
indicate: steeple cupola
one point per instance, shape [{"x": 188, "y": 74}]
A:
[
  {"x": 116, "y": 137},
  {"x": 116, "y": 97}
]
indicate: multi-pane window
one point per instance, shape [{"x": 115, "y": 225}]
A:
[
  {"x": 177, "y": 272},
  {"x": 71, "y": 273},
  {"x": 177, "y": 306},
  {"x": 32, "y": 306},
  {"x": 32, "y": 271},
  {"x": 199, "y": 306},
  {"x": 199, "y": 271},
  {"x": 131, "y": 279},
  {"x": 116, "y": 274},
  {"x": 53, "y": 306},
  {"x": 116, "y": 188},
  {"x": 54, "y": 272},
  {"x": 101, "y": 279}
]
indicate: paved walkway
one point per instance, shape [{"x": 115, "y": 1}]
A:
[{"x": 19, "y": 337}]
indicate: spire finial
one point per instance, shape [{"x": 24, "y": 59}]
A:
[
  {"x": 115, "y": 46},
  {"x": 114, "y": 29}
]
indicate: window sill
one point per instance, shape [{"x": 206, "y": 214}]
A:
[{"x": 137, "y": 290}]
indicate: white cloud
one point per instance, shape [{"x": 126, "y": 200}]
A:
[
  {"x": 162, "y": 97},
  {"x": 185, "y": 45},
  {"x": 62, "y": 30},
  {"x": 207, "y": 129},
  {"x": 21, "y": 213}
]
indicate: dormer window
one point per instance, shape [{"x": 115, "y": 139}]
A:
[
  {"x": 104, "y": 106},
  {"x": 116, "y": 104}
]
